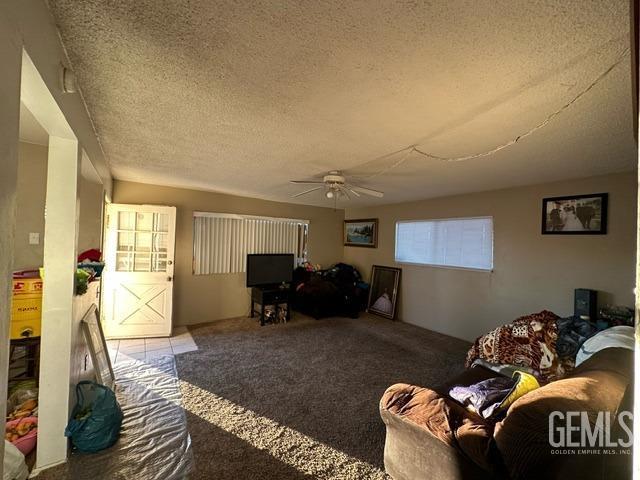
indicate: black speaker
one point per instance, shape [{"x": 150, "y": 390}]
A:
[{"x": 585, "y": 304}]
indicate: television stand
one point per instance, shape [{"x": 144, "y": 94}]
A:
[{"x": 269, "y": 295}]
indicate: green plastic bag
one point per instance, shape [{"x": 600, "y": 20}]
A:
[{"x": 96, "y": 418}]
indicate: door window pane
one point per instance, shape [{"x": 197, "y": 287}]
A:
[
  {"x": 160, "y": 222},
  {"x": 144, "y": 222},
  {"x": 126, "y": 220},
  {"x": 143, "y": 242},
  {"x": 159, "y": 242},
  {"x": 125, "y": 241},
  {"x": 142, "y": 262},
  {"x": 124, "y": 262},
  {"x": 159, "y": 262}
]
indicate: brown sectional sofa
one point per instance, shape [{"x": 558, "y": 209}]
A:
[{"x": 430, "y": 436}]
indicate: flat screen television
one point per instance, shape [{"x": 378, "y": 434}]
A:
[{"x": 269, "y": 269}]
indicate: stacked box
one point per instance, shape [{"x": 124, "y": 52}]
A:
[{"x": 26, "y": 308}]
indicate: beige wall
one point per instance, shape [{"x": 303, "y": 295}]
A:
[
  {"x": 90, "y": 232},
  {"x": 531, "y": 271},
  {"x": 205, "y": 298},
  {"x": 10, "y": 59},
  {"x": 32, "y": 189}
]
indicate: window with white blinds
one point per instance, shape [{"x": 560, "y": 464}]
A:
[
  {"x": 455, "y": 242},
  {"x": 221, "y": 242}
]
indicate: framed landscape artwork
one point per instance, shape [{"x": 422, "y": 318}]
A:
[
  {"x": 383, "y": 291},
  {"x": 575, "y": 215},
  {"x": 361, "y": 233}
]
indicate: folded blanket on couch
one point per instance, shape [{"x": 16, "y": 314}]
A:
[{"x": 528, "y": 341}]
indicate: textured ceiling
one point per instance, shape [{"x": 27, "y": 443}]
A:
[{"x": 240, "y": 97}]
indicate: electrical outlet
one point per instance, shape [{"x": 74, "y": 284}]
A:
[{"x": 34, "y": 238}]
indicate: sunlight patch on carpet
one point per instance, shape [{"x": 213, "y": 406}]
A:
[{"x": 289, "y": 446}]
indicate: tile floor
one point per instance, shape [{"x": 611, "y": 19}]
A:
[{"x": 143, "y": 349}]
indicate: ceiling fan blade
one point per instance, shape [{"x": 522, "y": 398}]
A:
[
  {"x": 306, "y": 191},
  {"x": 366, "y": 191},
  {"x": 344, "y": 192},
  {"x": 307, "y": 182},
  {"x": 354, "y": 192}
]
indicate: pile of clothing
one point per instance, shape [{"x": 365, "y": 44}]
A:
[
  {"x": 531, "y": 350},
  {"x": 338, "y": 290},
  {"x": 613, "y": 316},
  {"x": 491, "y": 398},
  {"x": 572, "y": 333}
]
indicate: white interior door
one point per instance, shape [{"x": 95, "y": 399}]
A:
[{"x": 138, "y": 276}]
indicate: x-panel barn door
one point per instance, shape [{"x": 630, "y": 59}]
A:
[{"x": 138, "y": 277}]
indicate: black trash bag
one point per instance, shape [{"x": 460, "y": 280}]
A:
[{"x": 96, "y": 418}]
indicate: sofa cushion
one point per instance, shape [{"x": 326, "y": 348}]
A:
[{"x": 523, "y": 436}]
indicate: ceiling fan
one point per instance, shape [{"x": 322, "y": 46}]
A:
[{"x": 335, "y": 186}]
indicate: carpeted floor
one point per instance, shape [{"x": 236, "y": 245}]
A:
[{"x": 300, "y": 400}]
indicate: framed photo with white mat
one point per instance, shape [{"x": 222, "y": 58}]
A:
[{"x": 383, "y": 291}]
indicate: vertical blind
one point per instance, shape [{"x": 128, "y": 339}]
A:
[
  {"x": 221, "y": 242},
  {"x": 456, "y": 242}
]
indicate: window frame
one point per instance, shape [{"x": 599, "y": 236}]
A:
[{"x": 447, "y": 267}]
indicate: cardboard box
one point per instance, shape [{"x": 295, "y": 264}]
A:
[
  {"x": 27, "y": 286},
  {"x": 26, "y": 308}
]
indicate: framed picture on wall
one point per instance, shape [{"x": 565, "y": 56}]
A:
[
  {"x": 575, "y": 215},
  {"x": 383, "y": 291},
  {"x": 361, "y": 233}
]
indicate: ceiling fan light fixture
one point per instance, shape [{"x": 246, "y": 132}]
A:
[{"x": 336, "y": 187}]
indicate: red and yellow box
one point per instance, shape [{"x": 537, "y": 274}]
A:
[{"x": 26, "y": 308}]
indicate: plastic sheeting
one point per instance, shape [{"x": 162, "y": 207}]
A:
[
  {"x": 14, "y": 467},
  {"x": 154, "y": 442}
]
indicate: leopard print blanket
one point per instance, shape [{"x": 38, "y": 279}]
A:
[{"x": 528, "y": 341}]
